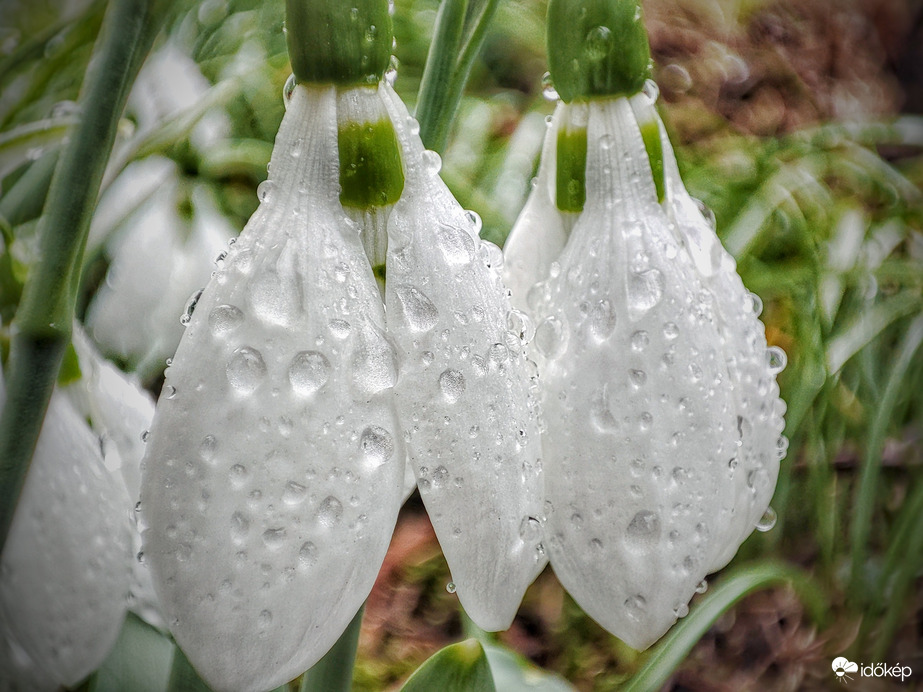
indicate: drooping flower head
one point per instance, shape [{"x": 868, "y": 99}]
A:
[
  {"x": 276, "y": 459},
  {"x": 65, "y": 566},
  {"x": 660, "y": 406}
]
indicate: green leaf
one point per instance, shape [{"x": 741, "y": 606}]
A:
[
  {"x": 183, "y": 677},
  {"x": 140, "y": 661},
  {"x": 514, "y": 673},
  {"x": 461, "y": 667},
  {"x": 670, "y": 652},
  {"x": 334, "y": 672}
]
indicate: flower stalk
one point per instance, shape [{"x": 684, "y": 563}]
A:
[{"x": 42, "y": 327}]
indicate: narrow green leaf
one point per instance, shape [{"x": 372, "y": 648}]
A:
[
  {"x": 183, "y": 677},
  {"x": 867, "y": 487},
  {"x": 514, "y": 673},
  {"x": 140, "y": 661},
  {"x": 18, "y": 144},
  {"x": 868, "y": 326},
  {"x": 667, "y": 655},
  {"x": 461, "y": 667},
  {"x": 334, "y": 672}
]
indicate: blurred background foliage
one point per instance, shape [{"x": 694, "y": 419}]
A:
[{"x": 796, "y": 121}]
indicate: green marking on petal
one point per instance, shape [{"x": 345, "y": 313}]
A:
[
  {"x": 371, "y": 173},
  {"x": 570, "y": 183},
  {"x": 597, "y": 48},
  {"x": 650, "y": 133}
]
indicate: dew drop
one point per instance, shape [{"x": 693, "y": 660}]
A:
[
  {"x": 530, "y": 529},
  {"x": 548, "y": 90},
  {"x": 288, "y": 89},
  {"x": 264, "y": 191},
  {"x": 776, "y": 358},
  {"x": 450, "y": 587},
  {"x": 702, "y": 587},
  {"x": 681, "y": 611},
  {"x": 376, "y": 444},
  {"x": 456, "y": 244},
  {"x": 186, "y": 317},
  {"x": 432, "y": 162},
  {"x": 635, "y": 607},
  {"x": 274, "y": 538},
  {"x": 643, "y": 530},
  {"x": 645, "y": 289},
  {"x": 265, "y": 618},
  {"x": 676, "y": 78},
  {"x": 330, "y": 512},
  {"x": 521, "y": 325},
  {"x": 246, "y": 369},
  {"x": 240, "y": 526},
  {"x": 294, "y": 493},
  {"x": 308, "y": 372},
  {"x": 651, "y": 90},
  {"x": 602, "y": 320},
  {"x": 339, "y": 328},
  {"x": 754, "y": 303},
  {"x": 452, "y": 384},
  {"x": 767, "y": 521},
  {"x": 419, "y": 312},
  {"x": 145, "y": 435},
  {"x": 549, "y": 337},
  {"x": 207, "y": 448},
  {"x": 639, "y": 340},
  {"x": 706, "y": 212},
  {"x": 307, "y": 555},
  {"x": 597, "y": 43},
  {"x": 670, "y": 330},
  {"x": 237, "y": 475},
  {"x": 637, "y": 377}
]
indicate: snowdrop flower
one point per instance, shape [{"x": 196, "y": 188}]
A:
[
  {"x": 661, "y": 411},
  {"x": 276, "y": 460},
  {"x": 174, "y": 255},
  {"x": 65, "y": 566}
]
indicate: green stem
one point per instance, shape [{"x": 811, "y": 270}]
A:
[
  {"x": 334, "y": 672},
  {"x": 42, "y": 326},
  {"x": 459, "y": 33}
]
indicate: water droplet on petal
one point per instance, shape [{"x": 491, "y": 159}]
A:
[
  {"x": 521, "y": 325},
  {"x": 767, "y": 521},
  {"x": 452, "y": 384},
  {"x": 186, "y": 317},
  {"x": 640, "y": 340},
  {"x": 432, "y": 162},
  {"x": 450, "y": 587},
  {"x": 702, "y": 587},
  {"x": 635, "y": 607},
  {"x": 224, "y": 319},
  {"x": 597, "y": 43},
  {"x": 376, "y": 444},
  {"x": 308, "y": 372},
  {"x": 651, "y": 90},
  {"x": 681, "y": 611},
  {"x": 777, "y": 359},
  {"x": 530, "y": 529},
  {"x": 288, "y": 89},
  {"x": 307, "y": 555},
  {"x": 330, "y": 512},
  {"x": 246, "y": 369},
  {"x": 643, "y": 530},
  {"x": 645, "y": 289},
  {"x": 602, "y": 320},
  {"x": 549, "y": 337},
  {"x": 264, "y": 190},
  {"x": 419, "y": 312},
  {"x": 548, "y": 90}
]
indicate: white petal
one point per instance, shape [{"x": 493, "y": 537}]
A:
[
  {"x": 539, "y": 234},
  {"x": 638, "y": 409},
  {"x": 120, "y": 411},
  {"x": 470, "y": 426},
  {"x": 274, "y": 473},
  {"x": 758, "y": 407},
  {"x": 65, "y": 566}
]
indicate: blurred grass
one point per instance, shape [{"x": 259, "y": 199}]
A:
[{"x": 815, "y": 180}]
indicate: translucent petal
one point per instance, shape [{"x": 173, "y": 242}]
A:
[
  {"x": 463, "y": 391},
  {"x": 274, "y": 473},
  {"x": 120, "y": 411},
  {"x": 636, "y": 399},
  {"x": 758, "y": 408},
  {"x": 539, "y": 234},
  {"x": 64, "y": 572}
]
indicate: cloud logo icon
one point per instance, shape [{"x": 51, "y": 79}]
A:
[{"x": 841, "y": 666}]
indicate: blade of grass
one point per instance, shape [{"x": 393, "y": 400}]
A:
[
  {"x": 670, "y": 652},
  {"x": 868, "y": 326},
  {"x": 459, "y": 33},
  {"x": 43, "y": 323},
  {"x": 867, "y": 488}
]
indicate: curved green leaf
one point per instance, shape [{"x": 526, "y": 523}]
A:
[{"x": 461, "y": 667}]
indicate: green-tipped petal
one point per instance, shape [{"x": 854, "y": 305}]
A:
[
  {"x": 597, "y": 48},
  {"x": 341, "y": 43}
]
